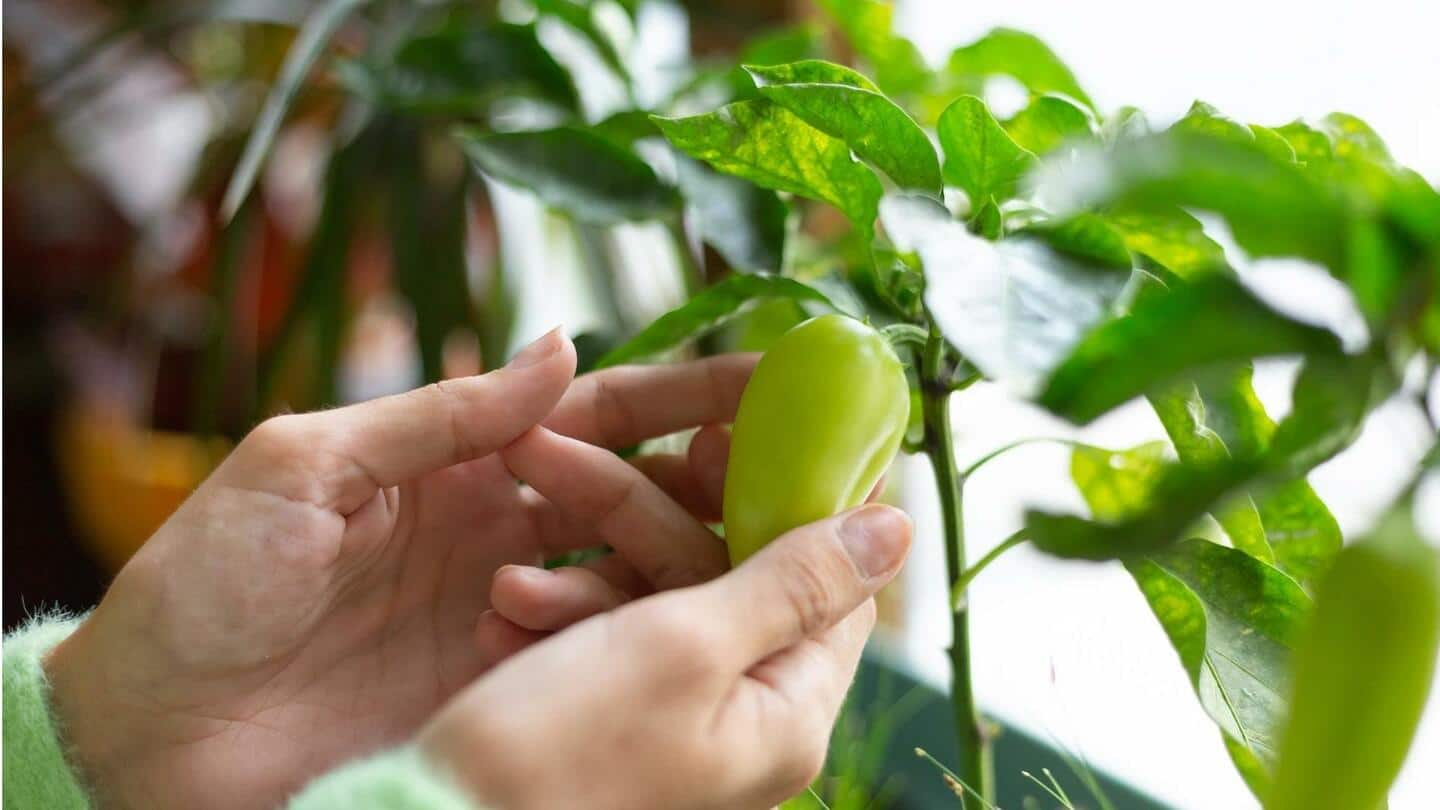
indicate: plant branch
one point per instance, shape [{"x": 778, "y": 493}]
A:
[
  {"x": 976, "y": 765},
  {"x": 957, "y": 591},
  {"x": 1005, "y": 448}
]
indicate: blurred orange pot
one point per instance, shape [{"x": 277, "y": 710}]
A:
[{"x": 124, "y": 481}]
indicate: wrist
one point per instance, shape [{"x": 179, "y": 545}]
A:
[{"x": 101, "y": 740}]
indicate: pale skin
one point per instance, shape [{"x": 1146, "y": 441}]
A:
[{"x": 364, "y": 577}]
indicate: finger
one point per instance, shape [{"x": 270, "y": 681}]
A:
[
  {"x": 618, "y": 407},
  {"x": 498, "y": 638},
  {"x": 818, "y": 671},
  {"x": 350, "y": 452},
  {"x": 628, "y": 511},
  {"x": 806, "y": 581},
  {"x": 537, "y": 599},
  {"x": 709, "y": 454},
  {"x": 674, "y": 475}
]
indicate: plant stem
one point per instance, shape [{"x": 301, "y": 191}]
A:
[
  {"x": 957, "y": 590},
  {"x": 976, "y": 766}
]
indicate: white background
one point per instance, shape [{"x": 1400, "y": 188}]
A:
[{"x": 1070, "y": 650}]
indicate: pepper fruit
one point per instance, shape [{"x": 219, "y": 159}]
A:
[
  {"x": 1362, "y": 670},
  {"x": 819, "y": 422}
]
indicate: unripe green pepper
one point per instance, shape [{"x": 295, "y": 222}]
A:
[
  {"x": 819, "y": 422},
  {"x": 1362, "y": 672}
]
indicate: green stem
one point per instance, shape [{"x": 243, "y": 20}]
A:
[
  {"x": 957, "y": 591},
  {"x": 976, "y": 766}
]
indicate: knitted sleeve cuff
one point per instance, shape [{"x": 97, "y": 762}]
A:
[
  {"x": 37, "y": 773},
  {"x": 398, "y": 779}
]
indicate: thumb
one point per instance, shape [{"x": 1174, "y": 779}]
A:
[
  {"x": 807, "y": 580},
  {"x": 392, "y": 439}
]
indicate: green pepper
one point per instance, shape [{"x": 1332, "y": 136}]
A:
[
  {"x": 1362, "y": 672},
  {"x": 819, "y": 422}
]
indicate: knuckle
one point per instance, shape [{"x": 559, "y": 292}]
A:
[
  {"x": 615, "y": 420},
  {"x": 275, "y": 436},
  {"x": 671, "y": 633},
  {"x": 449, "y": 396},
  {"x": 810, "y": 595}
]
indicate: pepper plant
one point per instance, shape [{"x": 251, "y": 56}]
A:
[{"x": 1081, "y": 257}]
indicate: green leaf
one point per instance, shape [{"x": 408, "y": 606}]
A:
[
  {"x": 1333, "y": 395},
  {"x": 1088, "y": 237},
  {"x": 1363, "y": 669},
  {"x": 1273, "y": 207},
  {"x": 1169, "y": 236},
  {"x": 840, "y": 102},
  {"x": 1308, "y": 143},
  {"x": 1300, "y": 528},
  {"x": 868, "y": 25},
  {"x": 1048, "y": 121},
  {"x": 709, "y": 310},
  {"x": 1208, "y": 321},
  {"x": 314, "y": 35},
  {"x": 575, "y": 171},
  {"x": 580, "y": 17},
  {"x": 460, "y": 71},
  {"x": 1144, "y": 505},
  {"x": 744, "y": 222},
  {"x": 1021, "y": 56},
  {"x": 1013, "y": 308},
  {"x": 787, "y": 44},
  {"x": 980, "y": 156},
  {"x": 766, "y": 144},
  {"x": 1233, "y": 620}
]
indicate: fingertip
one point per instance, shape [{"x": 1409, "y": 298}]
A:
[
  {"x": 877, "y": 538},
  {"x": 498, "y": 638}
]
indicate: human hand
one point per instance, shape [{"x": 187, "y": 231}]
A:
[
  {"x": 719, "y": 695},
  {"x": 318, "y": 596}
]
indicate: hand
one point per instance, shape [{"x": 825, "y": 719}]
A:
[
  {"x": 720, "y": 695},
  {"x": 318, "y": 596}
]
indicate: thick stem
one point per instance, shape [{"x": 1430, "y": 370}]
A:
[{"x": 976, "y": 766}]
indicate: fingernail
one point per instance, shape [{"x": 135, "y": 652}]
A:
[
  {"x": 529, "y": 572},
  {"x": 544, "y": 346},
  {"x": 876, "y": 537}
]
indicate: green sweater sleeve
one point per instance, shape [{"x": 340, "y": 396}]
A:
[
  {"x": 36, "y": 771},
  {"x": 38, "y": 775}
]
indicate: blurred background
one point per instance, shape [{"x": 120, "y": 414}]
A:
[{"x": 142, "y": 337}]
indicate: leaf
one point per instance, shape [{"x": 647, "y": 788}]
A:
[
  {"x": 1308, "y": 143},
  {"x": 314, "y": 35},
  {"x": 461, "y": 70},
  {"x": 1272, "y": 207},
  {"x": 1210, "y": 320},
  {"x": 1048, "y": 121},
  {"x": 1117, "y": 485},
  {"x": 1300, "y": 528},
  {"x": 1233, "y": 620},
  {"x": 868, "y": 24},
  {"x": 842, "y": 103},
  {"x": 1013, "y": 308},
  {"x": 771, "y": 146},
  {"x": 1088, "y": 237},
  {"x": 580, "y": 17},
  {"x": 787, "y": 44},
  {"x": 1173, "y": 496},
  {"x": 980, "y": 156},
  {"x": 1363, "y": 669},
  {"x": 575, "y": 171},
  {"x": 1170, "y": 236},
  {"x": 744, "y": 222},
  {"x": 709, "y": 310},
  {"x": 1333, "y": 395},
  {"x": 1021, "y": 56}
]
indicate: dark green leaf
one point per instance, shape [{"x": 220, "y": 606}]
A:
[
  {"x": 789, "y": 44},
  {"x": 460, "y": 71},
  {"x": 980, "y": 157},
  {"x": 1233, "y": 620},
  {"x": 1175, "y": 497},
  {"x": 626, "y": 127},
  {"x": 309, "y": 44},
  {"x": 744, "y": 222},
  {"x": 1273, "y": 207},
  {"x": 1333, "y": 395},
  {"x": 1208, "y": 321},
  {"x": 1048, "y": 121},
  {"x": 840, "y": 102},
  {"x": 575, "y": 171},
  {"x": 709, "y": 310},
  {"x": 766, "y": 144},
  {"x": 579, "y": 17},
  {"x": 1021, "y": 56},
  {"x": 1013, "y": 308}
]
